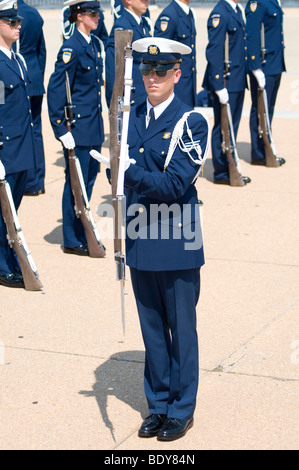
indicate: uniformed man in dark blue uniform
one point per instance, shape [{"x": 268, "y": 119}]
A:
[
  {"x": 264, "y": 19},
  {"x": 169, "y": 142},
  {"x": 131, "y": 18},
  {"x": 80, "y": 56},
  {"x": 177, "y": 22},
  {"x": 17, "y": 154},
  {"x": 117, "y": 7},
  {"x": 32, "y": 47},
  {"x": 225, "y": 22}
]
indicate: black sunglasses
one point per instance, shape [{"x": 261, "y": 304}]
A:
[
  {"x": 160, "y": 73},
  {"x": 12, "y": 22},
  {"x": 93, "y": 14}
]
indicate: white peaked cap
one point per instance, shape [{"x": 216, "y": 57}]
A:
[{"x": 165, "y": 46}]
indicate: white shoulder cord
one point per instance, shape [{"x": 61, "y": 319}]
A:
[
  {"x": 176, "y": 139},
  {"x": 66, "y": 23}
]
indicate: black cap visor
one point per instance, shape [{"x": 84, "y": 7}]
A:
[
  {"x": 10, "y": 16},
  {"x": 157, "y": 66}
]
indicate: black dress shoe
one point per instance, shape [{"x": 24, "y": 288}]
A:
[
  {"x": 81, "y": 250},
  {"x": 12, "y": 280},
  {"x": 174, "y": 428},
  {"x": 245, "y": 179},
  {"x": 34, "y": 193},
  {"x": 262, "y": 162},
  {"x": 151, "y": 425}
]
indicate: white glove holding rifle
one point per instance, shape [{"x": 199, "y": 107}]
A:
[
  {"x": 2, "y": 171},
  {"x": 68, "y": 141},
  {"x": 222, "y": 95},
  {"x": 102, "y": 159},
  {"x": 260, "y": 78}
]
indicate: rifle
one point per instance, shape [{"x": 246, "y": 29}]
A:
[
  {"x": 227, "y": 130},
  {"x": 263, "y": 48},
  {"x": 82, "y": 208},
  {"x": 264, "y": 129},
  {"x": 119, "y": 118},
  {"x": 16, "y": 238}
]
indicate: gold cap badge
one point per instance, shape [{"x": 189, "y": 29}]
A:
[{"x": 153, "y": 50}]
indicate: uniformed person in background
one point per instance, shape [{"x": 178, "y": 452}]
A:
[
  {"x": 17, "y": 154},
  {"x": 32, "y": 47},
  {"x": 177, "y": 22},
  {"x": 264, "y": 73},
  {"x": 225, "y": 19},
  {"x": 68, "y": 28},
  {"x": 131, "y": 18},
  {"x": 79, "y": 56},
  {"x": 165, "y": 268},
  {"x": 117, "y": 8}
]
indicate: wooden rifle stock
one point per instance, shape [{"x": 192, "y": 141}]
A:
[
  {"x": 263, "y": 130},
  {"x": 123, "y": 50},
  {"x": 30, "y": 276},
  {"x": 234, "y": 176},
  {"x": 122, "y": 39},
  {"x": 95, "y": 247}
]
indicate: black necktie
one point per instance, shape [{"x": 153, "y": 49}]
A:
[
  {"x": 142, "y": 26},
  {"x": 15, "y": 63},
  {"x": 152, "y": 117},
  {"x": 239, "y": 12}
]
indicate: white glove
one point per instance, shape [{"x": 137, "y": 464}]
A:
[
  {"x": 68, "y": 141},
  {"x": 102, "y": 159},
  {"x": 2, "y": 171},
  {"x": 260, "y": 77},
  {"x": 222, "y": 95}
]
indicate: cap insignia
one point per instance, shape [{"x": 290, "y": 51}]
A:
[{"x": 153, "y": 50}]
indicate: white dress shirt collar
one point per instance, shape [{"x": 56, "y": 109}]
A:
[{"x": 158, "y": 110}]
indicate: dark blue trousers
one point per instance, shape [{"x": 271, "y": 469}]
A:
[
  {"x": 166, "y": 303},
  {"x": 219, "y": 159},
  {"x": 272, "y": 86},
  {"x": 8, "y": 259},
  {"x": 36, "y": 176},
  {"x": 73, "y": 230}
]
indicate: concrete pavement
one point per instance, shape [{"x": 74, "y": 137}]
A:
[{"x": 69, "y": 379}]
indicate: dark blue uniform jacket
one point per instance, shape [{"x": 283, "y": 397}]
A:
[
  {"x": 17, "y": 153},
  {"x": 149, "y": 187},
  {"x": 32, "y": 47},
  {"x": 270, "y": 13},
  {"x": 173, "y": 23},
  {"x": 223, "y": 19},
  {"x": 84, "y": 65}
]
